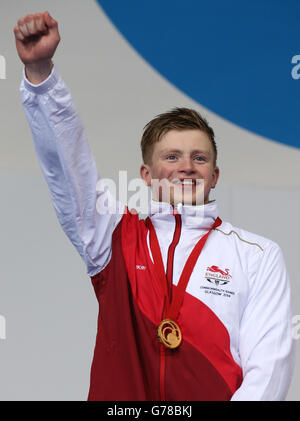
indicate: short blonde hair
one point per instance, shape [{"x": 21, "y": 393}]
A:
[{"x": 175, "y": 119}]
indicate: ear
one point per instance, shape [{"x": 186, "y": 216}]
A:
[
  {"x": 215, "y": 178},
  {"x": 145, "y": 174}
]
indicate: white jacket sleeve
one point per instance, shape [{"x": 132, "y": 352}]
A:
[
  {"x": 267, "y": 349},
  {"x": 70, "y": 170}
]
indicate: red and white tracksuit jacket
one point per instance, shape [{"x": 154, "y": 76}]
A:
[{"x": 236, "y": 314}]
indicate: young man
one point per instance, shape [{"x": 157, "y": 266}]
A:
[{"x": 190, "y": 308}]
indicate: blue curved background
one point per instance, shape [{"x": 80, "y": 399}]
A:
[{"x": 231, "y": 56}]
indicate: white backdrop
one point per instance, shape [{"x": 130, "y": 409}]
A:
[{"x": 45, "y": 295}]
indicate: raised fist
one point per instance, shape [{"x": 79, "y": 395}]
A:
[{"x": 37, "y": 38}]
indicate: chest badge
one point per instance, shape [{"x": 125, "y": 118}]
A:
[{"x": 217, "y": 276}]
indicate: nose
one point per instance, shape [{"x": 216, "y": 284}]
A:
[{"x": 187, "y": 166}]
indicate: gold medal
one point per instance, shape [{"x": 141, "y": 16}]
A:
[{"x": 169, "y": 333}]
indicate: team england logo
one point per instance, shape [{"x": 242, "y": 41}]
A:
[{"x": 217, "y": 276}]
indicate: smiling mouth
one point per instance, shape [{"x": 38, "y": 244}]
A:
[{"x": 187, "y": 182}]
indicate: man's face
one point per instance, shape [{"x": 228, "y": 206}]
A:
[{"x": 183, "y": 164}]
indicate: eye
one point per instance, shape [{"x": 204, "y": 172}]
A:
[
  {"x": 199, "y": 158},
  {"x": 171, "y": 157}
]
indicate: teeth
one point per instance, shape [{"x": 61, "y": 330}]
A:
[{"x": 187, "y": 182}]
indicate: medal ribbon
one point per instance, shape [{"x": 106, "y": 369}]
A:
[{"x": 173, "y": 305}]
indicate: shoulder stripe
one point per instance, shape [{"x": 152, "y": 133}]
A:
[{"x": 245, "y": 241}]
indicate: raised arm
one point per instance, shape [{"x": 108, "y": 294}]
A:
[{"x": 60, "y": 142}]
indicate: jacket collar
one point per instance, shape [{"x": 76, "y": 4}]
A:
[{"x": 202, "y": 216}]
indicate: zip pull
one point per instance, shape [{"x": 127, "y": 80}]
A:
[{"x": 177, "y": 209}]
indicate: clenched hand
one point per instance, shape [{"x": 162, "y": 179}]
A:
[{"x": 37, "y": 38}]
